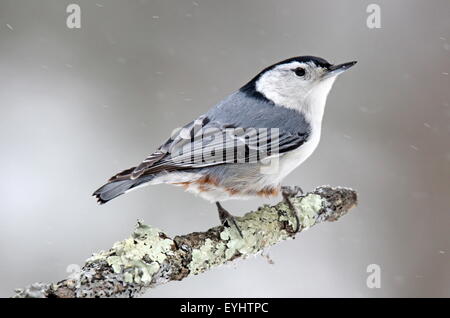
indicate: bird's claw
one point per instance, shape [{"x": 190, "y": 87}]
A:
[
  {"x": 289, "y": 192},
  {"x": 227, "y": 219}
]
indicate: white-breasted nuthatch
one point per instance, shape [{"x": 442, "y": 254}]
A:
[{"x": 272, "y": 121}]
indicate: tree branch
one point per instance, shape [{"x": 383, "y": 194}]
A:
[{"x": 149, "y": 257}]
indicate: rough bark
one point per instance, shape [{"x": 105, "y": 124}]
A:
[{"x": 149, "y": 257}]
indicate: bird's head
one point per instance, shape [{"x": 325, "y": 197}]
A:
[{"x": 297, "y": 82}]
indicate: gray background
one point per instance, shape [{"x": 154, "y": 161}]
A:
[{"x": 80, "y": 105}]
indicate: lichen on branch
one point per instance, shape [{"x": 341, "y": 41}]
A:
[{"x": 149, "y": 257}]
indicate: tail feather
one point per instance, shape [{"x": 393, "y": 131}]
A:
[
  {"x": 113, "y": 189},
  {"x": 118, "y": 185}
]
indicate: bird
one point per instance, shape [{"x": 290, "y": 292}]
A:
[{"x": 244, "y": 146}]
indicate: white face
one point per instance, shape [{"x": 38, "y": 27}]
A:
[{"x": 302, "y": 86}]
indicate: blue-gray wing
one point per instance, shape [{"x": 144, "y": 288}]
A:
[{"x": 240, "y": 129}]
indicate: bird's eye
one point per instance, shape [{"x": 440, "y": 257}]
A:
[{"x": 299, "y": 71}]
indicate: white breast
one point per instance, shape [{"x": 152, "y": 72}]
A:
[
  {"x": 293, "y": 159},
  {"x": 312, "y": 108}
]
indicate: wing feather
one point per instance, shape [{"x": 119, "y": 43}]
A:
[
  {"x": 217, "y": 144},
  {"x": 239, "y": 129}
]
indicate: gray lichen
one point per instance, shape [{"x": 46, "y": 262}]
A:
[
  {"x": 148, "y": 257},
  {"x": 139, "y": 257},
  {"x": 36, "y": 290},
  {"x": 208, "y": 255},
  {"x": 308, "y": 209},
  {"x": 259, "y": 230}
]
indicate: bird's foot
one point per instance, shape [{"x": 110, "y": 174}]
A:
[
  {"x": 289, "y": 192},
  {"x": 227, "y": 219}
]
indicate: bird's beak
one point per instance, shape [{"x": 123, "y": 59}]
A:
[{"x": 334, "y": 70}]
